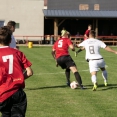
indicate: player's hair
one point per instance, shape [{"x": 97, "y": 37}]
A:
[
  {"x": 92, "y": 33},
  {"x": 11, "y": 23},
  {"x": 5, "y": 35},
  {"x": 90, "y": 25}
]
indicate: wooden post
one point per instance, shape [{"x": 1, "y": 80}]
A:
[
  {"x": 55, "y": 28},
  {"x": 96, "y": 29}
]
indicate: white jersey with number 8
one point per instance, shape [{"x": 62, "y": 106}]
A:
[{"x": 92, "y": 47}]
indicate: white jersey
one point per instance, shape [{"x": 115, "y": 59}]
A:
[
  {"x": 13, "y": 42},
  {"x": 92, "y": 47}
]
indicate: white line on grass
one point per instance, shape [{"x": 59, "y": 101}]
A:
[
  {"x": 63, "y": 72},
  {"x": 58, "y": 72}
]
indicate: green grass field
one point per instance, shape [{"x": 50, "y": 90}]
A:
[{"x": 48, "y": 95}]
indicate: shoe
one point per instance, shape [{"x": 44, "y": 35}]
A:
[
  {"x": 82, "y": 87},
  {"x": 75, "y": 54},
  {"x": 106, "y": 84},
  {"x": 68, "y": 84},
  {"x": 95, "y": 87}
]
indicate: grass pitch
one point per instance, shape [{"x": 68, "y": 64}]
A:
[{"x": 48, "y": 95}]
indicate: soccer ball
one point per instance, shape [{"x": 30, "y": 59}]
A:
[{"x": 74, "y": 85}]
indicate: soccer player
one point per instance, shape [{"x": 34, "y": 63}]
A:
[
  {"x": 86, "y": 36},
  {"x": 11, "y": 25},
  {"x": 92, "y": 47},
  {"x": 14, "y": 69},
  {"x": 63, "y": 59}
]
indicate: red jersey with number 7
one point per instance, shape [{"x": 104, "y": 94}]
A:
[
  {"x": 61, "y": 47},
  {"x": 12, "y": 64}
]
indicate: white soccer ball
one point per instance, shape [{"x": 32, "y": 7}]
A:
[{"x": 74, "y": 85}]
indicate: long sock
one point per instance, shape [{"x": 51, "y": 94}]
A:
[
  {"x": 94, "y": 79},
  {"x": 67, "y": 73},
  {"x": 104, "y": 75},
  {"x": 78, "y": 78}
]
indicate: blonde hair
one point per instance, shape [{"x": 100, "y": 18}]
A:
[{"x": 64, "y": 32}]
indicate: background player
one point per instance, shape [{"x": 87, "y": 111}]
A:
[
  {"x": 92, "y": 47},
  {"x": 13, "y": 101},
  {"x": 86, "y": 36},
  {"x": 62, "y": 57},
  {"x": 12, "y": 25}
]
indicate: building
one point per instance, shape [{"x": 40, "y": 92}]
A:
[
  {"x": 75, "y": 15},
  {"x": 38, "y": 18},
  {"x": 27, "y": 14}
]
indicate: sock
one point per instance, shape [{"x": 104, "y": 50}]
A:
[
  {"x": 67, "y": 73},
  {"x": 104, "y": 75},
  {"x": 79, "y": 51},
  {"x": 94, "y": 79},
  {"x": 78, "y": 78}
]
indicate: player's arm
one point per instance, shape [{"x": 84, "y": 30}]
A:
[
  {"x": 107, "y": 48},
  {"x": 85, "y": 36},
  {"x": 81, "y": 48},
  {"x": 54, "y": 56},
  {"x": 28, "y": 72},
  {"x": 72, "y": 47}
]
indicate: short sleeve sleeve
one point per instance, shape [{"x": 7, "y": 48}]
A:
[{"x": 25, "y": 62}]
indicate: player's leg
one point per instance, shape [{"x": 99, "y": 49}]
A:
[
  {"x": 104, "y": 72},
  {"x": 78, "y": 51},
  {"x": 5, "y": 108},
  {"x": 93, "y": 66},
  {"x": 67, "y": 73},
  {"x": 19, "y": 104},
  {"x": 104, "y": 75},
  {"x": 77, "y": 76},
  {"x": 94, "y": 80},
  {"x": 61, "y": 62},
  {"x": 72, "y": 66}
]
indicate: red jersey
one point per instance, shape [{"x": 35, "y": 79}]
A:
[
  {"x": 61, "y": 47},
  {"x": 12, "y": 64},
  {"x": 87, "y": 33}
]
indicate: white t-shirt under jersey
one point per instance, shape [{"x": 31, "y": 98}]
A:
[
  {"x": 92, "y": 47},
  {"x": 13, "y": 42}
]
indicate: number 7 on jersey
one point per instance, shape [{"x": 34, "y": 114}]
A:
[{"x": 10, "y": 58}]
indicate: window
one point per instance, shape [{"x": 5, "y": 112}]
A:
[
  {"x": 83, "y": 7},
  {"x": 96, "y": 7},
  {"x": 17, "y": 25},
  {"x": 1, "y": 23}
]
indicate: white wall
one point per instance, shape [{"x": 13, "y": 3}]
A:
[{"x": 28, "y": 13}]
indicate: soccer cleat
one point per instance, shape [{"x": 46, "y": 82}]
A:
[
  {"x": 94, "y": 87},
  {"x": 83, "y": 88},
  {"x": 75, "y": 54},
  {"x": 68, "y": 84},
  {"x": 106, "y": 84}
]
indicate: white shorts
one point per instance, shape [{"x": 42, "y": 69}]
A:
[{"x": 94, "y": 65}]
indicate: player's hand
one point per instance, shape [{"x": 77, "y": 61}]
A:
[
  {"x": 57, "y": 64},
  {"x": 75, "y": 45},
  {"x": 115, "y": 52}
]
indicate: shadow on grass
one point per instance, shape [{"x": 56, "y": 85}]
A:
[
  {"x": 109, "y": 87},
  {"x": 47, "y": 87}
]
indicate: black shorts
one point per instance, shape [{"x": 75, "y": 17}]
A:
[
  {"x": 14, "y": 106},
  {"x": 65, "y": 62}
]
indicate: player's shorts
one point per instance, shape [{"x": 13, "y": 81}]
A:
[
  {"x": 94, "y": 65},
  {"x": 15, "y": 105},
  {"x": 65, "y": 62}
]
